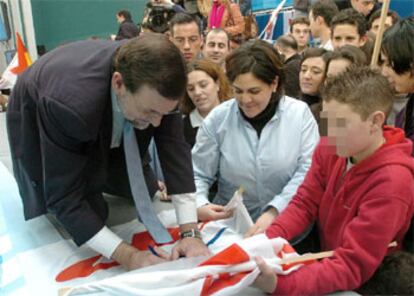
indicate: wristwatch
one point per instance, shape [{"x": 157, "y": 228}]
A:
[{"x": 191, "y": 233}]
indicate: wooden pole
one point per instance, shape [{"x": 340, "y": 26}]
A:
[
  {"x": 306, "y": 257},
  {"x": 378, "y": 39},
  {"x": 315, "y": 256}
]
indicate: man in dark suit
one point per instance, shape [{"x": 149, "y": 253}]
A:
[
  {"x": 127, "y": 28},
  {"x": 65, "y": 120}
]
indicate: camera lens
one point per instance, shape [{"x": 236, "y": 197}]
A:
[{"x": 159, "y": 18}]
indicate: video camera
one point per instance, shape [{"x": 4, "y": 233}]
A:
[{"x": 157, "y": 17}]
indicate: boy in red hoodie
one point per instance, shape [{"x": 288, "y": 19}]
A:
[{"x": 359, "y": 190}]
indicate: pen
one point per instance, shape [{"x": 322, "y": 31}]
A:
[
  {"x": 152, "y": 250},
  {"x": 215, "y": 237}
]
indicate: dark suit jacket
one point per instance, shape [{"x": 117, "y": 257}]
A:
[
  {"x": 127, "y": 30},
  {"x": 190, "y": 132},
  {"x": 60, "y": 128},
  {"x": 292, "y": 69}
]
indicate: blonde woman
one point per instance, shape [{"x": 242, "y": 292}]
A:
[{"x": 207, "y": 87}]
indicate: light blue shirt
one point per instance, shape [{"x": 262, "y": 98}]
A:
[{"x": 269, "y": 168}]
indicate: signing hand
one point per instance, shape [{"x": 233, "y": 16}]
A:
[
  {"x": 130, "y": 258},
  {"x": 212, "y": 212},
  {"x": 267, "y": 279},
  {"x": 262, "y": 223},
  {"x": 190, "y": 247}
]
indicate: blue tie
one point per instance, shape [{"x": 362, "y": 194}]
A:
[{"x": 139, "y": 188}]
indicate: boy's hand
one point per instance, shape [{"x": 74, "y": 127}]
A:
[
  {"x": 267, "y": 279},
  {"x": 262, "y": 223}
]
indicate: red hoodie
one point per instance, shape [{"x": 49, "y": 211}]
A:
[{"x": 358, "y": 214}]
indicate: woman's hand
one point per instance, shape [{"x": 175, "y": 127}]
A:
[
  {"x": 211, "y": 212},
  {"x": 263, "y": 222}
]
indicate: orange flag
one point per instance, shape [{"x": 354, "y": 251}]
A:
[{"x": 23, "y": 58}]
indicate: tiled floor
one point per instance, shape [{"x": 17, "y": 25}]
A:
[{"x": 4, "y": 143}]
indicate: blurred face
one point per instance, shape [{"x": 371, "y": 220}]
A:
[
  {"x": 363, "y": 6},
  {"x": 216, "y": 47},
  {"x": 312, "y": 75},
  {"x": 187, "y": 38},
  {"x": 119, "y": 18},
  {"x": 203, "y": 91},
  {"x": 376, "y": 23},
  {"x": 314, "y": 26},
  {"x": 336, "y": 67},
  {"x": 234, "y": 45},
  {"x": 346, "y": 34},
  {"x": 144, "y": 107},
  {"x": 301, "y": 32},
  {"x": 347, "y": 132},
  {"x": 401, "y": 83},
  {"x": 253, "y": 95}
]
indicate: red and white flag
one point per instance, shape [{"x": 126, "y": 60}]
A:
[
  {"x": 267, "y": 33},
  {"x": 20, "y": 62},
  {"x": 229, "y": 272},
  {"x": 63, "y": 267}
]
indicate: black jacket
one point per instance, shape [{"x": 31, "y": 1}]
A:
[
  {"x": 292, "y": 69},
  {"x": 59, "y": 123},
  {"x": 127, "y": 30}
]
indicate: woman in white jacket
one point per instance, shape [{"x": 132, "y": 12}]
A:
[{"x": 262, "y": 140}]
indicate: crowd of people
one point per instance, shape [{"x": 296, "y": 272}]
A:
[{"x": 320, "y": 141}]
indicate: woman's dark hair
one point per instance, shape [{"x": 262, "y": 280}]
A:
[
  {"x": 259, "y": 58},
  {"x": 314, "y": 52},
  {"x": 216, "y": 73},
  {"x": 398, "y": 45}
]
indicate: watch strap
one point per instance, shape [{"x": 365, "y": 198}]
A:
[{"x": 191, "y": 233}]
